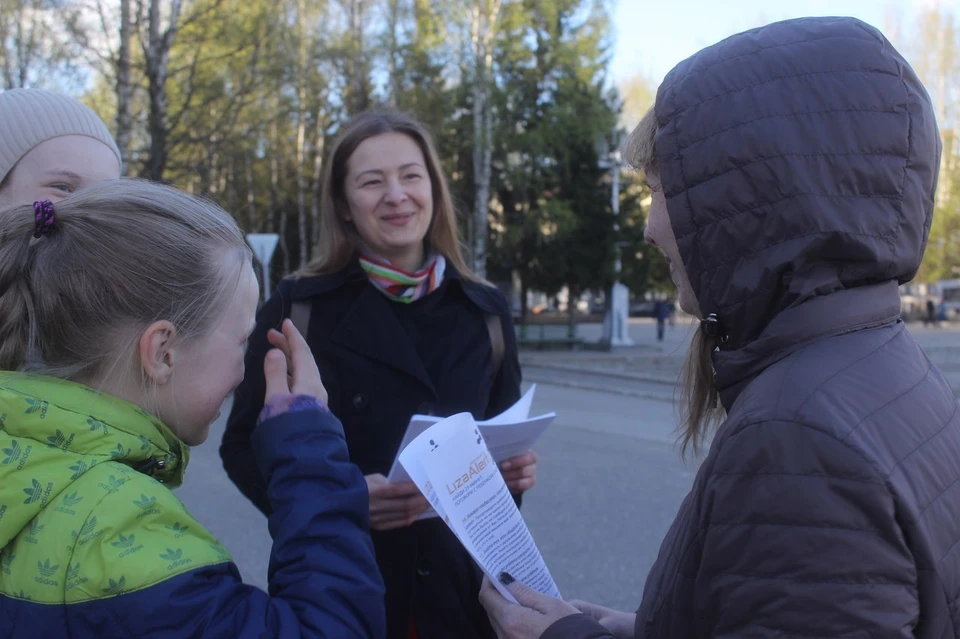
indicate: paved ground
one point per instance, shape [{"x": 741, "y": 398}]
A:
[{"x": 610, "y": 478}]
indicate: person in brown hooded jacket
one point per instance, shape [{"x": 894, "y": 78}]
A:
[{"x": 793, "y": 170}]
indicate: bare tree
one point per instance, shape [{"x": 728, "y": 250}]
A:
[
  {"x": 359, "y": 95},
  {"x": 34, "y": 42},
  {"x": 252, "y": 222},
  {"x": 935, "y": 54},
  {"x": 318, "y": 148},
  {"x": 104, "y": 39},
  {"x": 272, "y": 194},
  {"x": 483, "y": 27},
  {"x": 156, "y": 46},
  {"x": 393, "y": 50},
  {"x": 20, "y": 26},
  {"x": 124, "y": 83},
  {"x": 302, "y": 131}
]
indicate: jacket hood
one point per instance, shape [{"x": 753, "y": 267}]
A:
[
  {"x": 54, "y": 431},
  {"x": 798, "y": 160}
]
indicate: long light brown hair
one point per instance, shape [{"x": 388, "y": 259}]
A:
[
  {"x": 339, "y": 241},
  {"x": 700, "y": 409}
]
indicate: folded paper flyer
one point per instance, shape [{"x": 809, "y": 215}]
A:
[{"x": 453, "y": 468}]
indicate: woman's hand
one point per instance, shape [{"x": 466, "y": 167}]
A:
[
  {"x": 394, "y": 505},
  {"x": 289, "y": 367},
  {"x": 620, "y": 624},
  {"x": 528, "y": 620},
  {"x": 520, "y": 472}
]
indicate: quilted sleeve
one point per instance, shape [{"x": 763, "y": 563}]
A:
[
  {"x": 801, "y": 537},
  {"x": 577, "y": 627}
]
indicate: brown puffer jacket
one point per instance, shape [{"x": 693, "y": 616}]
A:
[{"x": 799, "y": 162}]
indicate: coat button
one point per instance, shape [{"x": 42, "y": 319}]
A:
[
  {"x": 359, "y": 401},
  {"x": 424, "y": 567}
]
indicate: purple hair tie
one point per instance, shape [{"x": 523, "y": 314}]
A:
[{"x": 44, "y": 217}]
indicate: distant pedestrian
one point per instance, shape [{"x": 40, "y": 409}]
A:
[
  {"x": 662, "y": 311},
  {"x": 931, "y": 312}
]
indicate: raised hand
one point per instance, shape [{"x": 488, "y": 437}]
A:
[{"x": 289, "y": 367}]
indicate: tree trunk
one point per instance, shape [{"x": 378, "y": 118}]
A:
[
  {"x": 274, "y": 178},
  {"x": 5, "y": 20},
  {"x": 317, "y": 177},
  {"x": 284, "y": 219},
  {"x": 303, "y": 239},
  {"x": 124, "y": 85},
  {"x": 572, "y": 298},
  {"x": 158, "y": 97},
  {"x": 394, "y": 54},
  {"x": 275, "y": 201},
  {"x": 26, "y": 42},
  {"x": 157, "y": 57},
  {"x": 252, "y": 221},
  {"x": 212, "y": 166},
  {"x": 31, "y": 41},
  {"x": 228, "y": 183},
  {"x": 359, "y": 100},
  {"x": 481, "y": 183},
  {"x": 483, "y": 28},
  {"x": 523, "y": 303}
]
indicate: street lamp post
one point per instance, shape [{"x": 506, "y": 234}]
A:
[{"x": 615, "y": 329}]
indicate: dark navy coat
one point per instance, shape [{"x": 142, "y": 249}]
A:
[{"x": 383, "y": 362}]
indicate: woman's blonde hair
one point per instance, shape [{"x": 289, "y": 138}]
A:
[
  {"x": 700, "y": 409},
  {"x": 120, "y": 255},
  {"x": 338, "y": 239}
]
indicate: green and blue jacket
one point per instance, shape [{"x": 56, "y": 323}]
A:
[{"x": 93, "y": 543}]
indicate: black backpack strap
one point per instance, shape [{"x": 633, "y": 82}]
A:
[
  {"x": 495, "y": 328},
  {"x": 300, "y": 316}
]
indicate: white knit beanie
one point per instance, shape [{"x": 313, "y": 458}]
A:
[{"x": 29, "y": 117}]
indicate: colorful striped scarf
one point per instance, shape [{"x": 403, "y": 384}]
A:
[{"x": 399, "y": 285}]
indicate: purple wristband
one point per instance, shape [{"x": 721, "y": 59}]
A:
[{"x": 290, "y": 403}]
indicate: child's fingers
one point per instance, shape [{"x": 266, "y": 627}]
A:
[
  {"x": 292, "y": 333},
  {"x": 275, "y": 372},
  {"x": 306, "y": 375},
  {"x": 299, "y": 351},
  {"x": 279, "y": 340}
]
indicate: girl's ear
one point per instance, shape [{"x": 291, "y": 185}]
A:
[{"x": 157, "y": 352}]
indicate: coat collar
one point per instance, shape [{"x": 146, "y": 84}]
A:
[
  {"x": 81, "y": 420},
  {"x": 371, "y": 328},
  {"x": 826, "y": 316},
  {"x": 485, "y": 297}
]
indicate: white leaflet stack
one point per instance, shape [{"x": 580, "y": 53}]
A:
[{"x": 453, "y": 468}]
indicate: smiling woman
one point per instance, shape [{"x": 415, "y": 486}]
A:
[
  {"x": 50, "y": 146},
  {"x": 388, "y": 190},
  {"x": 399, "y": 325}
]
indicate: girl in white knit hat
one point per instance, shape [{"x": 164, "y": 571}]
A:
[{"x": 50, "y": 146}]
